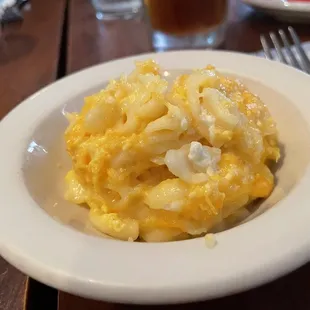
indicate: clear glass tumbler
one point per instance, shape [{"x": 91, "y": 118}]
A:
[
  {"x": 178, "y": 24},
  {"x": 117, "y": 9}
]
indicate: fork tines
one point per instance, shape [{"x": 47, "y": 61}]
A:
[{"x": 285, "y": 51}]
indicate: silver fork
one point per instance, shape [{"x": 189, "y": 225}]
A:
[{"x": 284, "y": 50}]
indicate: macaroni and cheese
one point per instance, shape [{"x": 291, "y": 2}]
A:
[{"x": 163, "y": 161}]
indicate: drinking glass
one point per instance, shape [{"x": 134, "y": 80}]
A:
[
  {"x": 116, "y": 9},
  {"x": 178, "y": 24}
]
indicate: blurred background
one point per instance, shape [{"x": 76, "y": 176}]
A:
[{"x": 44, "y": 40}]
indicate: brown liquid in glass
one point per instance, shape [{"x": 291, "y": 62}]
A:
[{"x": 185, "y": 17}]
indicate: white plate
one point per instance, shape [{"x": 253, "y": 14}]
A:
[
  {"x": 287, "y": 11},
  {"x": 253, "y": 253}
]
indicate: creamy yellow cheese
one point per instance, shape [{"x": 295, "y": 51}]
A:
[{"x": 167, "y": 162}]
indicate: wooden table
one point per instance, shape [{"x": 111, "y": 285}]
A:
[
  {"x": 28, "y": 61},
  {"x": 54, "y": 41}
]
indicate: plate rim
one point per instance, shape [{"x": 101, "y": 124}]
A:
[
  {"x": 297, "y": 7},
  {"x": 118, "y": 291}
]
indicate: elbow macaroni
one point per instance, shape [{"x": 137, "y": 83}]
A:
[
  {"x": 166, "y": 162},
  {"x": 114, "y": 226}
]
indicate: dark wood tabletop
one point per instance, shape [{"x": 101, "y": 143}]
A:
[
  {"x": 59, "y": 37},
  {"x": 28, "y": 61}
]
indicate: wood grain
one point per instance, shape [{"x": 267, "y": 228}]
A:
[
  {"x": 29, "y": 54},
  {"x": 246, "y": 25},
  {"x": 28, "y": 61},
  {"x": 92, "y": 42},
  {"x": 12, "y": 287}
]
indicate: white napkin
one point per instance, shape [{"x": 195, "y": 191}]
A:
[{"x": 306, "y": 46}]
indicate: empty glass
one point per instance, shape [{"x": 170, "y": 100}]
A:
[{"x": 116, "y": 9}]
